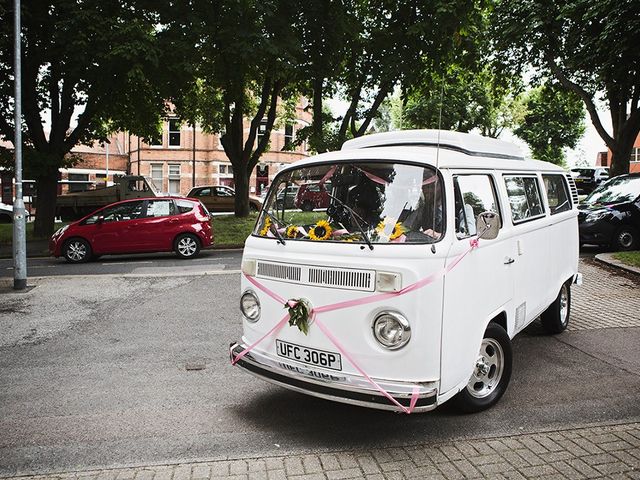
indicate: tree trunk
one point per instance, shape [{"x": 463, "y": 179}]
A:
[
  {"x": 241, "y": 179},
  {"x": 47, "y": 194},
  {"x": 620, "y": 156}
]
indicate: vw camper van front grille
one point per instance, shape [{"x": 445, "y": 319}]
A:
[
  {"x": 574, "y": 190},
  {"x": 279, "y": 270},
  {"x": 349, "y": 279},
  {"x": 331, "y": 277}
]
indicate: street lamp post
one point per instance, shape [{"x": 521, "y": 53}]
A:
[{"x": 19, "y": 232}]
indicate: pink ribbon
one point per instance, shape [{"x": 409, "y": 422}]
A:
[{"x": 473, "y": 243}]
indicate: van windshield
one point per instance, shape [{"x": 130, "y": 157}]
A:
[{"x": 361, "y": 202}]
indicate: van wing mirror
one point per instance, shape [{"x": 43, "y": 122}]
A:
[{"x": 488, "y": 225}]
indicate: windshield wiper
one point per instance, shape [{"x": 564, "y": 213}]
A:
[
  {"x": 274, "y": 220},
  {"x": 354, "y": 217}
]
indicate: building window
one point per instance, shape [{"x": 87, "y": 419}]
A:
[
  {"x": 78, "y": 182},
  {"x": 156, "y": 175},
  {"x": 262, "y": 129},
  {"x": 635, "y": 155},
  {"x": 288, "y": 137},
  {"x": 174, "y": 178},
  {"x": 174, "y": 133},
  {"x": 225, "y": 170}
]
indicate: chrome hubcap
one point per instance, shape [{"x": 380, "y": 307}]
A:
[
  {"x": 76, "y": 251},
  {"x": 625, "y": 239},
  {"x": 488, "y": 369},
  {"x": 187, "y": 246},
  {"x": 564, "y": 305}
]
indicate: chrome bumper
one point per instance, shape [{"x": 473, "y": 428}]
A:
[{"x": 336, "y": 386}]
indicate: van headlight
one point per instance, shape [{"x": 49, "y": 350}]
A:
[
  {"x": 391, "y": 330},
  {"x": 250, "y": 306}
]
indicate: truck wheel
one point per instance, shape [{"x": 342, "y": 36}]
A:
[
  {"x": 491, "y": 372},
  {"x": 77, "y": 250},
  {"x": 556, "y": 317},
  {"x": 187, "y": 245},
  {"x": 625, "y": 239}
]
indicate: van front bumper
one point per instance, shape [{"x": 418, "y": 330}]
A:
[{"x": 336, "y": 386}]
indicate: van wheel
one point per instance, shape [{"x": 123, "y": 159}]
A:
[
  {"x": 77, "y": 250},
  {"x": 556, "y": 317},
  {"x": 491, "y": 372},
  {"x": 187, "y": 245},
  {"x": 625, "y": 239},
  {"x": 307, "y": 206}
]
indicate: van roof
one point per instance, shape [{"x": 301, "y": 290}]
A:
[
  {"x": 429, "y": 154},
  {"x": 469, "y": 144}
]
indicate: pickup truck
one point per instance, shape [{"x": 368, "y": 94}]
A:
[{"x": 72, "y": 206}]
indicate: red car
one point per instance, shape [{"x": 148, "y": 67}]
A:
[
  {"x": 161, "y": 224},
  {"x": 312, "y": 195}
]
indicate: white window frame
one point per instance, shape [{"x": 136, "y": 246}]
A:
[
  {"x": 635, "y": 153},
  {"x": 173, "y": 177},
  {"x": 155, "y": 180},
  {"x": 178, "y": 131}
]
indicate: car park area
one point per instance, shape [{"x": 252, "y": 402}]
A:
[{"x": 85, "y": 384}]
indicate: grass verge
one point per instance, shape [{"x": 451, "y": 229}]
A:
[
  {"x": 231, "y": 231},
  {"x": 629, "y": 258},
  {"x": 6, "y": 232}
]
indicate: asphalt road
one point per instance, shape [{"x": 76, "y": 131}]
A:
[
  {"x": 109, "y": 381},
  {"x": 145, "y": 264}
]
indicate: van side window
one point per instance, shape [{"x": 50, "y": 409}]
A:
[
  {"x": 524, "y": 197},
  {"x": 474, "y": 194},
  {"x": 557, "y": 194}
]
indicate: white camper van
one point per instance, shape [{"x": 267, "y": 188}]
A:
[{"x": 435, "y": 250}]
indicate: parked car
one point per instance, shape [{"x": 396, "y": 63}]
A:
[
  {"x": 220, "y": 198},
  {"x": 6, "y": 213},
  {"x": 161, "y": 224},
  {"x": 288, "y": 200},
  {"x": 313, "y": 195},
  {"x": 589, "y": 178},
  {"x": 610, "y": 215}
]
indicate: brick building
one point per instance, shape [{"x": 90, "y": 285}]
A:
[{"x": 182, "y": 158}]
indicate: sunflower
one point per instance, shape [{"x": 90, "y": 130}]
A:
[
  {"x": 292, "y": 231},
  {"x": 265, "y": 227},
  {"x": 398, "y": 229},
  {"x": 321, "y": 231}
]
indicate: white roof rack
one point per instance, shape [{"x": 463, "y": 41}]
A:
[{"x": 474, "y": 145}]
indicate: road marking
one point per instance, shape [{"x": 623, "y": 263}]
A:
[{"x": 125, "y": 263}]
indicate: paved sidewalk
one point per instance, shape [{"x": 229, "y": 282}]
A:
[{"x": 611, "y": 452}]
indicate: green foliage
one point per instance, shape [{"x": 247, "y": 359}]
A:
[
  {"x": 99, "y": 57},
  {"x": 590, "y": 47},
  {"x": 231, "y": 231},
  {"x": 298, "y": 315},
  {"x": 554, "y": 120}
]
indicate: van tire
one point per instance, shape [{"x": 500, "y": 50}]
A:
[
  {"x": 77, "y": 250},
  {"x": 625, "y": 239},
  {"x": 186, "y": 245},
  {"x": 306, "y": 206},
  {"x": 555, "y": 318},
  {"x": 491, "y": 373}
]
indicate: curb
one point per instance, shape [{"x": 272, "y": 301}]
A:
[{"x": 608, "y": 259}]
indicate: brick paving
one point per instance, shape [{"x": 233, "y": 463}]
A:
[
  {"x": 611, "y": 452},
  {"x": 608, "y": 298}
]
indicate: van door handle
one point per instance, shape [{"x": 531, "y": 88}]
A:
[{"x": 508, "y": 260}]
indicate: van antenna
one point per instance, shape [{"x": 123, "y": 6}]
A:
[{"x": 435, "y": 184}]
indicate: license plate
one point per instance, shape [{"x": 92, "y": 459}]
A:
[{"x": 310, "y": 356}]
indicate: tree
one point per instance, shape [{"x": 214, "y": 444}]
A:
[
  {"x": 94, "y": 56},
  {"x": 243, "y": 67},
  {"x": 554, "y": 121},
  {"x": 390, "y": 43},
  {"x": 465, "y": 98},
  {"x": 591, "y": 48}
]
